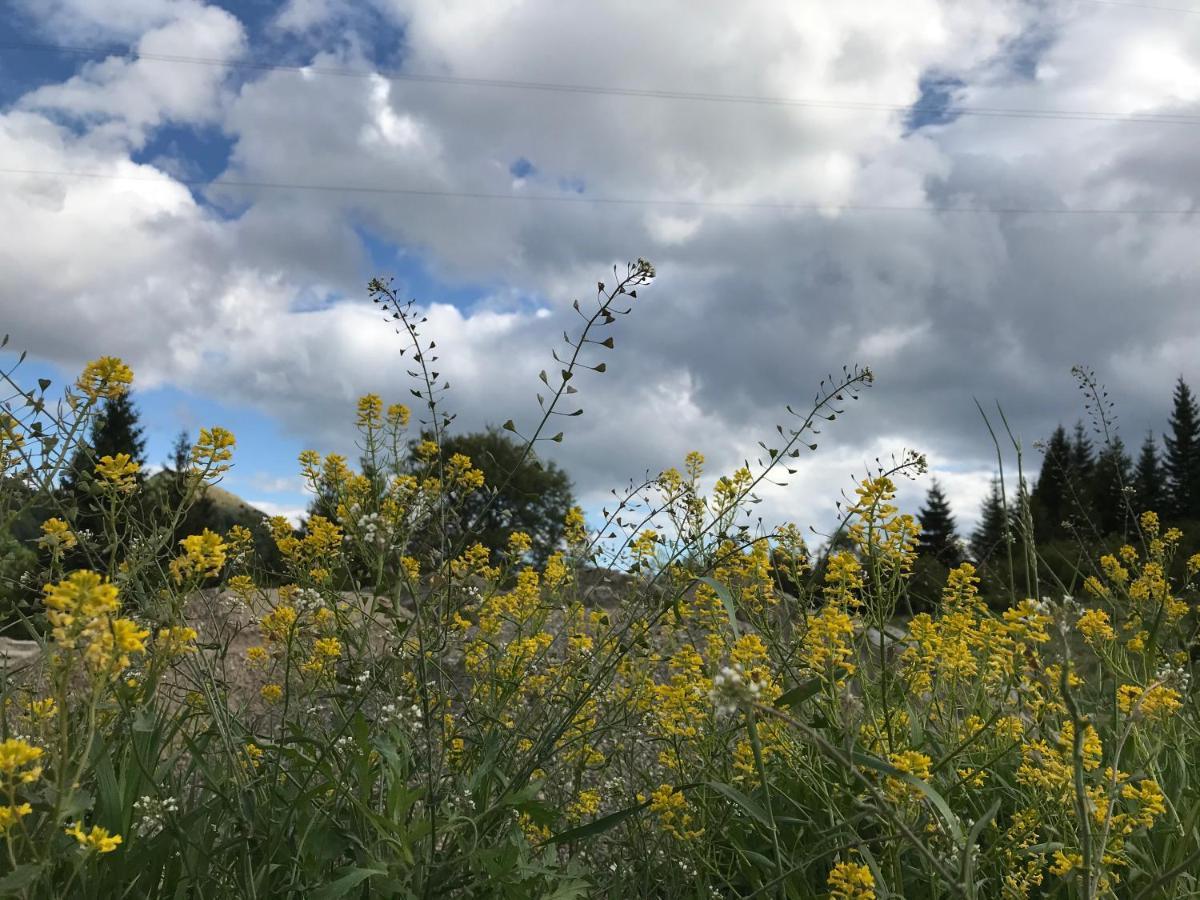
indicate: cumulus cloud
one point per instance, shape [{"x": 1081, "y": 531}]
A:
[
  {"x": 253, "y": 295},
  {"x": 128, "y": 98}
]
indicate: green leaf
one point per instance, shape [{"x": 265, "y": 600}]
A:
[
  {"x": 939, "y": 802},
  {"x": 597, "y": 826},
  {"x": 793, "y": 697},
  {"x": 968, "y": 866},
  {"x": 21, "y": 877},
  {"x": 727, "y": 600},
  {"x": 353, "y": 877},
  {"x": 509, "y": 426},
  {"x": 749, "y": 806},
  {"x": 144, "y": 720}
]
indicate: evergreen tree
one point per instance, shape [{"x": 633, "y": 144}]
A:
[
  {"x": 988, "y": 539},
  {"x": 1148, "y": 487},
  {"x": 114, "y": 430},
  {"x": 1110, "y": 477},
  {"x": 1082, "y": 456},
  {"x": 1080, "y": 504},
  {"x": 1052, "y": 494},
  {"x": 1183, "y": 455},
  {"x": 939, "y": 537}
]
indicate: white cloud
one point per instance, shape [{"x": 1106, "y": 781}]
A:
[
  {"x": 126, "y": 98},
  {"x": 754, "y": 305}
]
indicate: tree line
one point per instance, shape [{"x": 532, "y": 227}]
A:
[
  {"x": 1084, "y": 496},
  {"x": 532, "y": 497}
]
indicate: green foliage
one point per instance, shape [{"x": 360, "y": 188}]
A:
[
  {"x": 1149, "y": 488},
  {"x": 1183, "y": 455},
  {"x": 523, "y": 493},
  {"x": 939, "y": 534}
]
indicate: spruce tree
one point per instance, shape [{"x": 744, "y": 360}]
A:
[
  {"x": 1183, "y": 455},
  {"x": 1079, "y": 475},
  {"x": 1148, "y": 488},
  {"x": 939, "y": 537},
  {"x": 1082, "y": 457},
  {"x": 1110, "y": 477},
  {"x": 1052, "y": 494},
  {"x": 988, "y": 539},
  {"x": 115, "y": 429}
]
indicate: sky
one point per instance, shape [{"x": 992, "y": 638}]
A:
[{"x": 967, "y": 196}]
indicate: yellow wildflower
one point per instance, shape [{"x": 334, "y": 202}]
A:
[
  {"x": 203, "y": 555},
  {"x": 673, "y": 813},
  {"x": 1157, "y": 702},
  {"x": 211, "y": 454},
  {"x": 370, "y": 411},
  {"x": 911, "y": 763},
  {"x": 586, "y": 805},
  {"x": 519, "y": 543},
  {"x": 120, "y": 471},
  {"x": 57, "y": 535},
  {"x": 17, "y": 758},
  {"x": 1095, "y": 626},
  {"x": 11, "y": 814},
  {"x": 851, "y": 881},
  {"x": 398, "y": 415},
  {"x": 1064, "y": 863},
  {"x": 176, "y": 641},
  {"x": 105, "y": 378},
  {"x": 98, "y": 839},
  {"x": 272, "y": 693}
]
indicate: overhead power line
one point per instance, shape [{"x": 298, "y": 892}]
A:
[
  {"x": 609, "y": 201},
  {"x": 939, "y": 109},
  {"x": 1157, "y": 7}
]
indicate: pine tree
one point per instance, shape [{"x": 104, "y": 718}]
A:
[
  {"x": 1082, "y": 457},
  {"x": 114, "y": 430},
  {"x": 1148, "y": 486},
  {"x": 1110, "y": 477},
  {"x": 988, "y": 539},
  {"x": 1183, "y": 455},
  {"x": 939, "y": 537},
  {"x": 1052, "y": 494},
  {"x": 1082, "y": 467}
]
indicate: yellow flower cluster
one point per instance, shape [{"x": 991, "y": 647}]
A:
[
  {"x": 674, "y": 814},
  {"x": 213, "y": 451},
  {"x": 314, "y": 551},
  {"x": 11, "y": 442},
  {"x": 105, "y": 378},
  {"x": 851, "y": 881},
  {"x": 203, "y": 556},
  {"x": 879, "y": 530},
  {"x": 175, "y": 642},
  {"x": 96, "y": 840},
  {"x": 18, "y": 767},
  {"x": 1156, "y": 702},
  {"x": 119, "y": 472},
  {"x": 57, "y": 536},
  {"x": 81, "y": 610}
]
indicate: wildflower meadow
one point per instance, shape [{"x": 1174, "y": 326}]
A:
[{"x": 680, "y": 701}]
